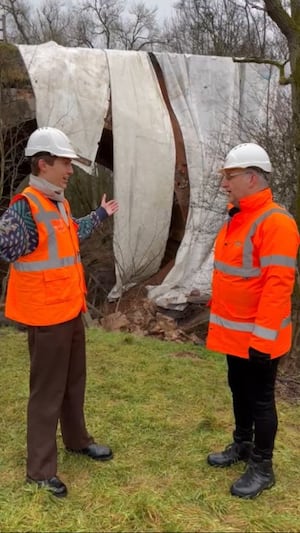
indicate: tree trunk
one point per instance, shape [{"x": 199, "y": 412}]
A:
[{"x": 293, "y": 361}]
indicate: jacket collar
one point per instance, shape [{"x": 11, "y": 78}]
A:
[{"x": 253, "y": 202}]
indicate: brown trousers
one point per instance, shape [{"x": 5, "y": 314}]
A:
[{"x": 57, "y": 387}]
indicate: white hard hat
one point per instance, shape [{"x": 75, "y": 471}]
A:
[
  {"x": 247, "y": 155},
  {"x": 50, "y": 140}
]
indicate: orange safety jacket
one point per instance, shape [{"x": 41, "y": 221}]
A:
[
  {"x": 253, "y": 279},
  {"x": 47, "y": 286}
]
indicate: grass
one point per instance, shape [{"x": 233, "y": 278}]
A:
[{"x": 162, "y": 407}]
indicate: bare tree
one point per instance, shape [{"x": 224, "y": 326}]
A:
[
  {"x": 83, "y": 28},
  {"x": 275, "y": 134},
  {"x": 110, "y": 27},
  {"x": 140, "y": 30},
  {"x": 106, "y": 15},
  {"x": 19, "y": 20},
  {"x": 219, "y": 27},
  {"x": 52, "y": 23},
  {"x": 90, "y": 23},
  {"x": 286, "y": 17},
  {"x": 28, "y": 25}
]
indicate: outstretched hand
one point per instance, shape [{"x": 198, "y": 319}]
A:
[{"x": 111, "y": 206}]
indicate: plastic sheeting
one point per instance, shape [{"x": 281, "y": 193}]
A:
[
  {"x": 71, "y": 87},
  {"x": 144, "y": 163},
  {"x": 210, "y": 97}
]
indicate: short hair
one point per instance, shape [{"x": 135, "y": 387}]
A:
[
  {"x": 265, "y": 176},
  {"x": 259, "y": 171},
  {"x": 34, "y": 162}
]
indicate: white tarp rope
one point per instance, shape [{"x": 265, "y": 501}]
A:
[
  {"x": 144, "y": 165},
  {"x": 71, "y": 87}
]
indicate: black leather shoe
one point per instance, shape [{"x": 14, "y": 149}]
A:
[
  {"x": 233, "y": 453},
  {"x": 257, "y": 477},
  {"x": 95, "y": 451},
  {"x": 53, "y": 485}
]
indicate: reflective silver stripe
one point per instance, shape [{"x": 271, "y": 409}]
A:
[
  {"x": 265, "y": 333},
  {"x": 249, "y": 327},
  {"x": 36, "y": 266},
  {"x": 286, "y": 322},
  {"x": 248, "y": 245},
  {"x": 270, "y": 334},
  {"x": 46, "y": 217},
  {"x": 246, "y": 270},
  {"x": 54, "y": 260},
  {"x": 246, "y": 327},
  {"x": 278, "y": 260},
  {"x": 237, "y": 271}
]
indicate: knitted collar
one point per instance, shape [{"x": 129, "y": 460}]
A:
[{"x": 48, "y": 189}]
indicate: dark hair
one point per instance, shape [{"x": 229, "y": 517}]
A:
[{"x": 48, "y": 158}]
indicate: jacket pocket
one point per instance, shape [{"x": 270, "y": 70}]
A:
[{"x": 57, "y": 285}]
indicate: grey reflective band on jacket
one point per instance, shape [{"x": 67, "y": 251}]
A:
[
  {"x": 249, "y": 327},
  {"x": 37, "y": 266},
  {"x": 54, "y": 261},
  {"x": 278, "y": 260},
  {"x": 237, "y": 271},
  {"x": 247, "y": 270}
]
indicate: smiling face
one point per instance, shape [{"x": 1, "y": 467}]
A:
[
  {"x": 237, "y": 184},
  {"x": 57, "y": 172}
]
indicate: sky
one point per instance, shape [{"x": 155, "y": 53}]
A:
[{"x": 164, "y": 6}]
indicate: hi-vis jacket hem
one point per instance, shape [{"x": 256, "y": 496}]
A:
[
  {"x": 47, "y": 286},
  {"x": 250, "y": 327},
  {"x": 253, "y": 279}
]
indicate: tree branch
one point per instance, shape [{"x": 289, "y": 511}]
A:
[{"x": 283, "y": 80}]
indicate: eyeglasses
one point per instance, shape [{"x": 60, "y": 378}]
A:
[{"x": 229, "y": 177}]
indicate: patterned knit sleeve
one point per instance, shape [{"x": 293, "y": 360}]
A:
[
  {"x": 18, "y": 232},
  {"x": 87, "y": 224}
]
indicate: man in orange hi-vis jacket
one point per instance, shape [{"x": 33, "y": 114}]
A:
[
  {"x": 46, "y": 291},
  {"x": 250, "y": 318}
]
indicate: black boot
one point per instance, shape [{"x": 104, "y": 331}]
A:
[
  {"x": 257, "y": 477},
  {"x": 233, "y": 453}
]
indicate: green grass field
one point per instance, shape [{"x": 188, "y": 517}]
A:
[{"x": 162, "y": 407}]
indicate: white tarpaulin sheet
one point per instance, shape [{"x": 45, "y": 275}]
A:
[
  {"x": 210, "y": 96},
  {"x": 144, "y": 164},
  {"x": 71, "y": 87}
]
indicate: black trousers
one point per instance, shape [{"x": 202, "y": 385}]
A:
[
  {"x": 252, "y": 384},
  {"x": 57, "y": 387}
]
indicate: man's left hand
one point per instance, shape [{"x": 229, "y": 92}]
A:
[{"x": 111, "y": 206}]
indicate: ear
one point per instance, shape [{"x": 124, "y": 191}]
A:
[
  {"x": 42, "y": 165},
  {"x": 253, "y": 181}
]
